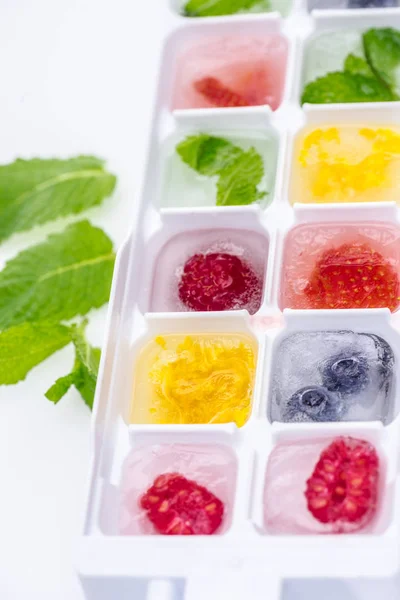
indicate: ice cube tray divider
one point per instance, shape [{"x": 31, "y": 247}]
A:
[{"x": 109, "y": 564}]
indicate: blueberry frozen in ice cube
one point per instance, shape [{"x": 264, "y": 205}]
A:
[
  {"x": 315, "y": 403},
  {"x": 322, "y": 376}
]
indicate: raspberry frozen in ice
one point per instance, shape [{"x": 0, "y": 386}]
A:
[
  {"x": 219, "y": 281},
  {"x": 343, "y": 488},
  {"x": 179, "y": 506},
  {"x": 322, "y": 486}
]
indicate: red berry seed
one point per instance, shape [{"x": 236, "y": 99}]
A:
[
  {"x": 219, "y": 281},
  {"x": 343, "y": 488},
  {"x": 219, "y": 95},
  {"x": 353, "y": 276},
  {"x": 178, "y": 506}
]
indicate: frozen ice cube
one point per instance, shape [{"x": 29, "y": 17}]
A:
[
  {"x": 321, "y": 376},
  {"x": 211, "y": 466},
  {"x": 179, "y": 274},
  {"x": 294, "y": 469},
  {"x": 329, "y": 4},
  {"x": 226, "y": 71}
]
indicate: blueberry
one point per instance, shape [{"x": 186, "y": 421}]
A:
[
  {"x": 372, "y": 3},
  {"x": 346, "y": 373},
  {"x": 315, "y": 402}
]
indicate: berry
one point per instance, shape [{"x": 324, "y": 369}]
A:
[
  {"x": 373, "y": 3},
  {"x": 353, "y": 276},
  {"x": 343, "y": 488},
  {"x": 178, "y": 506},
  {"x": 346, "y": 373},
  {"x": 316, "y": 403},
  {"x": 219, "y": 281},
  {"x": 219, "y": 95}
]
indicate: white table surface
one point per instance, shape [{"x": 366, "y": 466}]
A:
[{"x": 76, "y": 76}]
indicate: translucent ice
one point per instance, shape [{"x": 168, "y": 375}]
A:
[
  {"x": 174, "y": 273},
  {"x": 329, "y": 4},
  {"x": 184, "y": 186},
  {"x": 211, "y": 466},
  {"x": 199, "y": 378},
  {"x": 339, "y": 265},
  {"x": 321, "y": 376},
  {"x": 346, "y": 163},
  {"x": 295, "y": 469},
  {"x": 218, "y": 71}
]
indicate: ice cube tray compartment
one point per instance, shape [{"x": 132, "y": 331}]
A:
[
  {"x": 281, "y": 6},
  {"x": 247, "y": 547}
]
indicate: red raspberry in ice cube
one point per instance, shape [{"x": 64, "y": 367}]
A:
[
  {"x": 178, "y": 506},
  {"x": 219, "y": 281},
  {"x": 217, "y": 94},
  {"x": 343, "y": 488},
  {"x": 353, "y": 276}
]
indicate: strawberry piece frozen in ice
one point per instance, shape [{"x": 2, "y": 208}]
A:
[
  {"x": 353, "y": 276},
  {"x": 217, "y": 94}
]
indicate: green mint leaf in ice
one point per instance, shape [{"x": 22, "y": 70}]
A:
[
  {"x": 65, "y": 276},
  {"x": 26, "y": 345},
  {"x": 84, "y": 373},
  {"x": 239, "y": 172},
  {"x": 238, "y": 183},
  {"x": 357, "y": 66},
  {"x": 35, "y": 191},
  {"x": 206, "y": 154},
  {"x": 382, "y": 51},
  {"x": 215, "y": 8},
  {"x": 345, "y": 87}
]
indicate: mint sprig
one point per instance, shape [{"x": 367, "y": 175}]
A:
[
  {"x": 239, "y": 172},
  {"x": 33, "y": 192},
  {"x": 214, "y": 8},
  {"x": 26, "y": 345},
  {"x": 65, "y": 276},
  {"x": 368, "y": 79},
  {"x": 84, "y": 372},
  {"x": 54, "y": 281}
]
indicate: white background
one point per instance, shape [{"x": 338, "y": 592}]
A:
[{"x": 76, "y": 76}]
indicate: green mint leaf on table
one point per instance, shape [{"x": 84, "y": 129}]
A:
[
  {"x": 239, "y": 172},
  {"x": 65, "y": 276},
  {"x": 215, "y": 8},
  {"x": 345, "y": 87},
  {"x": 238, "y": 183},
  {"x": 84, "y": 373},
  {"x": 35, "y": 191},
  {"x": 26, "y": 345},
  {"x": 382, "y": 51},
  {"x": 357, "y": 66}
]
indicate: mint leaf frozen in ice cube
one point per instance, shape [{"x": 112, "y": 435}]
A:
[
  {"x": 345, "y": 87},
  {"x": 36, "y": 191},
  {"x": 214, "y": 8},
  {"x": 238, "y": 182},
  {"x": 357, "y": 66},
  {"x": 207, "y": 154},
  {"x": 84, "y": 372},
  {"x": 65, "y": 276},
  {"x": 26, "y": 345},
  {"x": 382, "y": 51},
  {"x": 239, "y": 172}
]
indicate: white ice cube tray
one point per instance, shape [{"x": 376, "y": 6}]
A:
[{"x": 246, "y": 560}]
